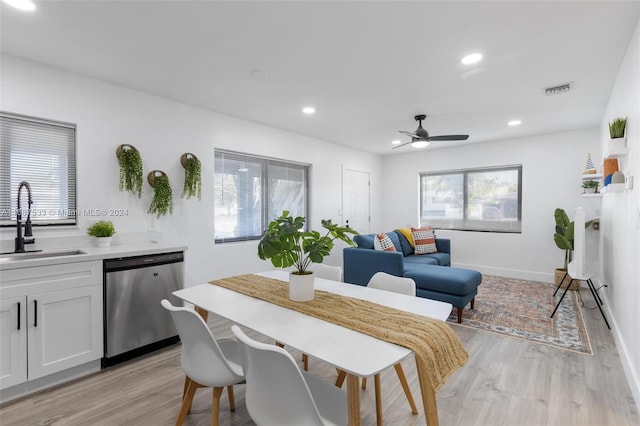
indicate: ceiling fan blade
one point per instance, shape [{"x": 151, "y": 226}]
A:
[
  {"x": 403, "y": 144},
  {"x": 449, "y": 138},
  {"x": 411, "y": 134}
]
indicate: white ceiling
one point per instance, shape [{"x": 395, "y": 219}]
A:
[{"x": 367, "y": 67}]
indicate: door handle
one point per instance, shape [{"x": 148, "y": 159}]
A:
[
  {"x": 35, "y": 313},
  {"x": 18, "y": 315}
]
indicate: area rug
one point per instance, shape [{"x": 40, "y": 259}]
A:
[{"x": 521, "y": 309}]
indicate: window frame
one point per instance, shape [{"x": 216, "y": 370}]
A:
[
  {"x": 63, "y": 215},
  {"x": 466, "y": 223},
  {"x": 264, "y": 163}
]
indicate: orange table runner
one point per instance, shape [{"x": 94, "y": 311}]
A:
[{"x": 436, "y": 347}]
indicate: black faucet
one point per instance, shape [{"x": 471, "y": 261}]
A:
[{"x": 20, "y": 240}]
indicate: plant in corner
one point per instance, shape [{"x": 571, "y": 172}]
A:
[
  {"x": 192, "y": 177},
  {"x": 286, "y": 244},
  {"x": 130, "y": 164},
  {"x": 162, "y": 202},
  {"x": 616, "y": 129},
  {"x": 563, "y": 238}
]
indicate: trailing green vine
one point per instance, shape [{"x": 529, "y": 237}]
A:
[
  {"x": 130, "y": 164},
  {"x": 192, "y": 177},
  {"x": 162, "y": 202}
]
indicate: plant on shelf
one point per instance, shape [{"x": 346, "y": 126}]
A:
[
  {"x": 101, "y": 228},
  {"x": 616, "y": 129},
  {"x": 192, "y": 176},
  {"x": 286, "y": 244},
  {"x": 130, "y": 164},
  {"x": 590, "y": 186},
  {"x": 162, "y": 202}
]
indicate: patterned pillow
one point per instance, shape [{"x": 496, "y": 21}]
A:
[
  {"x": 425, "y": 240},
  {"x": 383, "y": 242}
]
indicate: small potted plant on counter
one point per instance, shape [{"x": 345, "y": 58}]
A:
[
  {"x": 286, "y": 244},
  {"x": 102, "y": 231},
  {"x": 590, "y": 186}
]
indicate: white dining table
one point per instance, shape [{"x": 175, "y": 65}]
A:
[{"x": 357, "y": 354}]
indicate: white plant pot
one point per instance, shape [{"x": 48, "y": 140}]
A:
[
  {"x": 590, "y": 190},
  {"x": 301, "y": 287},
  {"x": 103, "y": 242}
]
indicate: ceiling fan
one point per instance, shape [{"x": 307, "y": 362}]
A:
[{"x": 420, "y": 138}]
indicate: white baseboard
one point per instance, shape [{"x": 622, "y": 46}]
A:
[{"x": 509, "y": 273}]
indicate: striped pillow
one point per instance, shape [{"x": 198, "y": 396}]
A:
[
  {"x": 425, "y": 240},
  {"x": 383, "y": 242}
]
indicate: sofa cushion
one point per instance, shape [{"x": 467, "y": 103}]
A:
[
  {"x": 426, "y": 259},
  {"x": 441, "y": 279},
  {"x": 424, "y": 240},
  {"x": 405, "y": 245},
  {"x": 364, "y": 241},
  {"x": 383, "y": 242}
]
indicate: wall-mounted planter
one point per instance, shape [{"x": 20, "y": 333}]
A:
[
  {"x": 130, "y": 164},
  {"x": 162, "y": 202},
  {"x": 192, "y": 176}
]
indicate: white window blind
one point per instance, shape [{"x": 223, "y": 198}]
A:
[
  {"x": 250, "y": 191},
  {"x": 42, "y": 153}
]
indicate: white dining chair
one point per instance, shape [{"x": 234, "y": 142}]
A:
[
  {"x": 279, "y": 393},
  {"x": 388, "y": 282},
  {"x": 207, "y": 362},
  {"x": 328, "y": 272}
]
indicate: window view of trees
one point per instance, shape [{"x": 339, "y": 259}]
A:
[
  {"x": 250, "y": 191},
  {"x": 478, "y": 199}
]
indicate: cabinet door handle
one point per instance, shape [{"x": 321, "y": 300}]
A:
[
  {"x": 18, "y": 315},
  {"x": 35, "y": 313}
]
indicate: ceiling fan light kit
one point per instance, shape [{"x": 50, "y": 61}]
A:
[{"x": 420, "y": 138}]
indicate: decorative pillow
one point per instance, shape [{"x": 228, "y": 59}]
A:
[
  {"x": 424, "y": 239},
  {"x": 383, "y": 242}
]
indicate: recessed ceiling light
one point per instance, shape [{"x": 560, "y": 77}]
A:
[
  {"x": 309, "y": 110},
  {"x": 514, "y": 123},
  {"x": 396, "y": 142},
  {"x": 21, "y": 4},
  {"x": 471, "y": 59}
]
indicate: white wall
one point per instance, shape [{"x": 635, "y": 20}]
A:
[
  {"x": 620, "y": 236},
  {"x": 552, "y": 166},
  {"x": 107, "y": 116}
]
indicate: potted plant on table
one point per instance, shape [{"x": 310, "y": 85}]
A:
[
  {"x": 286, "y": 244},
  {"x": 102, "y": 231}
]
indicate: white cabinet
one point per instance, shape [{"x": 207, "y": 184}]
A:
[
  {"x": 51, "y": 320},
  {"x": 13, "y": 341}
]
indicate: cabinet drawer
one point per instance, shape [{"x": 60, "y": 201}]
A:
[{"x": 39, "y": 279}]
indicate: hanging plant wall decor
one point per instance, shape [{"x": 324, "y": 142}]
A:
[
  {"x": 162, "y": 202},
  {"x": 130, "y": 164},
  {"x": 192, "y": 176}
]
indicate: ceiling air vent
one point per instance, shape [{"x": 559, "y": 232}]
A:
[{"x": 563, "y": 88}]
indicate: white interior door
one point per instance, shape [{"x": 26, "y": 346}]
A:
[{"x": 355, "y": 200}]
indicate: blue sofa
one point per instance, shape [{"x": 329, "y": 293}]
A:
[{"x": 434, "y": 277}]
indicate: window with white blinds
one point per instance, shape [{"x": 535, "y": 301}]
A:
[
  {"x": 250, "y": 191},
  {"x": 42, "y": 153}
]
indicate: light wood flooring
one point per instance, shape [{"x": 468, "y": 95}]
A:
[{"x": 506, "y": 382}]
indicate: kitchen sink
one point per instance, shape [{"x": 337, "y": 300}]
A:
[{"x": 39, "y": 254}]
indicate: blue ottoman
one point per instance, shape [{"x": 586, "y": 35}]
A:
[{"x": 457, "y": 286}]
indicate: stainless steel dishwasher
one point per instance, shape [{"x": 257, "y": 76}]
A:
[{"x": 134, "y": 321}]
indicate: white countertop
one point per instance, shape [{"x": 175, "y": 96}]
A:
[{"x": 91, "y": 253}]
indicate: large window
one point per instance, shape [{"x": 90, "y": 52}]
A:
[
  {"x": 250, "y": 191},
  {"x": 42, "y": 153},
  {"x": 475, "y": 200}
]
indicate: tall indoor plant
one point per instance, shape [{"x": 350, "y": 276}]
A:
[
  {"x": 286, "y": 244},
  {"x": 563, "y": 238}
]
